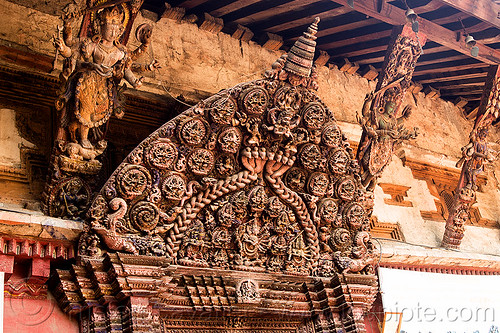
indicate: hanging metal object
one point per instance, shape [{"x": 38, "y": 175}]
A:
[
  {"x": 474, "y": 51},
  {"x": 411, "y": 17},
  {"x": 470, "y": 41},
  {"x": 350, "y": 3},
  {"x": 415, "y": 26}
]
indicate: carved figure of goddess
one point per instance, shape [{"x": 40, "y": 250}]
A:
[{"x": 97, "y": 66}]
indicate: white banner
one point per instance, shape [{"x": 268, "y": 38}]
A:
[{"x": 441, "y": 303}]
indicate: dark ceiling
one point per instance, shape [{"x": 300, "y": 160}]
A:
[{"x": 347, "y": 33}]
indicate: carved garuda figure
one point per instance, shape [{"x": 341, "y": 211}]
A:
[
  {"x": 257, "y": 177},
  {"x": 94, "y": 66},
  {"x": 382, "y": 125}
]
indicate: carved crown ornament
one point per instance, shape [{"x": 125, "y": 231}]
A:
[{"x": 252, "y": 185}]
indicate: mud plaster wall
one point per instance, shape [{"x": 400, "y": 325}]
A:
[
  {"x": 197, "y": 63},
  {"x": 10, "y": 139}
]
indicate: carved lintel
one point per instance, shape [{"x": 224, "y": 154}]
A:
[
  {"x": 386, "y": 230},
  {"x": 397, "y": 193},
  {"x": 232, "y": 207}
]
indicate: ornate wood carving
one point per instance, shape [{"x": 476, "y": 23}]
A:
[
  {"x": 382, "y": 125},
  {"x": 249, "y": 202},
  {"x": 441, "y": 182},
  {"x": 386, "y": 230},
  {"x": 474, "y": 155},
  {"x": 397, "y": 193},
  {"x": 93, "y": 68}
]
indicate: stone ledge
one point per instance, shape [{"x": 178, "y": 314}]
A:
[
  {"x": 28, "y": 223},
  {"x": 414, "y": 257}
]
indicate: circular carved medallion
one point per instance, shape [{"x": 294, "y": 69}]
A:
[
  {"x": 318, "y": 184},
  {"x": 310, "y": 156},
  {"x": 295, "y": 179},
  {"x": 345, "y": 188},
  {"x": 314, "y": 115},
  {"x": 173, "y": 187},
  {"x": 331, "y": 135},
  {"x": 200, "y": 161},
  {"x": 144, "y": 215},
  {"x": 230, "y": 140},
  {"x": 337, "y": 161},
  {"x": 69, "y": 198},
  {"x": 328, "y": 210},
  {"x": 193, "y": 132},
  {"x": 133, "y": 180},
  {"x": 223, "y": 109},
  {"x": 254, "y": 100},
  {"x": 162, "y": 154},
  {"x": 340, "y": 239},
  {"x": 354, "y": 215}
]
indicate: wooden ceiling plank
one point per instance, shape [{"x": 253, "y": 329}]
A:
[
  {"x": 234, "y": 6},
  {"x": 339, "y": 23},
  {"x": 396, "y": 16},
  {"x": 430, "y": 7},
  {"x": 450, "y": 78},
  {"x": 485, "y": 10},
  {"x": 439, "y": 68},
  {"x": 356, "y": 49},
  {"x": 281, "y": 13},
  {"x": 293, "y": 17},
  {"x": 440, "y": 59},
  {"x": 353, "y": 40},
  {"x": 458, "y": 82},
  {"x": 188, "y": 4}
]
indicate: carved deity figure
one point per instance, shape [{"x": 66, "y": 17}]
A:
[
  {"x": 474, "y": 156},
  {"x": 381, "y": 130},
  {"x": 95, "y": 67}
]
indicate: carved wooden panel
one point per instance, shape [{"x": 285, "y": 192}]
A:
[{"x": 397, "y": 193}]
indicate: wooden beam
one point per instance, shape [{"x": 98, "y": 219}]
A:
[
  {"x": 485, "y": 10},
  {"x": 450, "y": 76},
  {"x": 326, "y": 44},
  {"x": 291, "y": 15},
  {"x": 331, "y": 25},
  {"x": 396, "y": 16}
]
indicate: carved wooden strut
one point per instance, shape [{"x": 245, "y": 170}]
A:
[{"x": 474, "y": 156}]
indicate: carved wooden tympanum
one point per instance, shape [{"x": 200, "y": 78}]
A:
[{"x": 244, "y": 213}]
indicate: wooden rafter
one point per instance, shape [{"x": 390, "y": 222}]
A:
[
  {"x": 485, "y": 10},
  {"x": 396, "y": 16}
]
